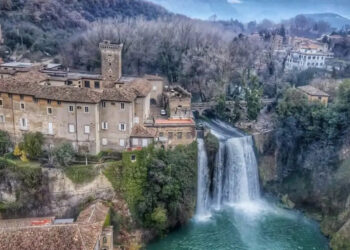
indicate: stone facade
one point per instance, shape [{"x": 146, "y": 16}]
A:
[
  {"x": 111, "y": 61},
  {"x": 93, "y": 112}
]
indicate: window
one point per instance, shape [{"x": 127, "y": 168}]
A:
[
  {"x": 22, "y": 105},
  {"x": 135, "y": 141},
  {"x": 97, "y": 85},
  {"x": 104, "y": 240},
  {"x": 122, "y": 105},
  {"x": 35, "y": 100},
  {"x": 133, "y": 158},
  {"x": 104, "y": 125},
  {"x": 103, "y": 104},
  {"x": 122, "y": 142},
  {"x": 86, "y": 109},
  {"x": 161, "y": 134},
  {"x": 21, "y": 96},
  {"x": 71, "y": 128},
  {"x": 59, "y": 102},
  {"x": 104, "y": 141},
  {"x": 144, "y": 142},
  {"x": 170, "y": 135},
  {"x": 136, "y": 120},
  {"x": 24, "y": 123},
  {"x": 1, "y": 102},
  {"x": 50, "y": 128},
  {"x": 87, "y": 129},
  {"x": 87, "y": 84},
  {"x": 69, "y": 82},
  {"x": 48, "y": 101},
  {"x": 122, "y": 127},
  {"x": 10, "y": 95},
  {"x": 2, "y": 119},
  {"x": 49, "y": 111},
  {"x": 189, "y": 135},
  {"x": 179, "y": 135},
  {"x": 71, "y": 108}
]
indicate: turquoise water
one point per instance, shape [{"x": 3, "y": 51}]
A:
[{"x": 247, "y": 226}]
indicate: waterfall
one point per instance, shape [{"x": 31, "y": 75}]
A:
[
  {"x": 218, "y": 176},
  {"x": 240, "y": 181},
  {"x": 203, "y": 181},
  {"x": 235, "y": 177}
]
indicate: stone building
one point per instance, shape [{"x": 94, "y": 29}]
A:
[
  {"x": 306, "y": 53},
  {"x": 178, "y": 102},
  {"x": 93, "y": 112},
  {"x": 314, "y": 94},
  {"x": 87, "y": 232},
  {"x": 14, "y": 69}
]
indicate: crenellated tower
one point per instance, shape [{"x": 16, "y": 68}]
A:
[{"x": 111, "y": 61}]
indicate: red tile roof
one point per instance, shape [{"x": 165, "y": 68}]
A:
[{"x": 81, "y": 235}]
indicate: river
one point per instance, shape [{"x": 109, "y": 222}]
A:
[{"x": 232, "y": 214}]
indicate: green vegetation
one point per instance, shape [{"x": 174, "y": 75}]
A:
[
  {"x": 5, "y": 142},
  {"x": 29, "y": 180},
  {"x": 310, "y": 137},
  {"x": 80, "y": 174},
  {"x": 211, "y": 144},
  {"x": 253, "y": 94},
  {"x": 158, "y": 185},
  {"x": 64, "y": 154},
  {"x": 32, "y": 145}
]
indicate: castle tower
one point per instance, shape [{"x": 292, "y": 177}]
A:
[{"x": 111, "y": 61}]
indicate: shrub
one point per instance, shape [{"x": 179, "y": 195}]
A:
[
  {"x": 5, "y": 142},
  {"x": 159, "y": 218},
  {"x": 64, "y": 154},
  {"x": 81, "y": 174},
  {"x": 32, "y": 144}
]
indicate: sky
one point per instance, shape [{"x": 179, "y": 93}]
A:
[{"x": 248, "y": 10}]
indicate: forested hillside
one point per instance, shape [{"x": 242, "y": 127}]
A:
[{"x": 44, "y": 25}]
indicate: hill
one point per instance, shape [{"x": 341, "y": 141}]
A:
[
  {"x": 40, "y": 27},
  {"x": 335, "y": 20}
]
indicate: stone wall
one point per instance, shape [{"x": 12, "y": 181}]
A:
[
  {"x": 266, "y": 153},
  {"x": 65, "y": 196},
  {"x": 57, "y": 194}
]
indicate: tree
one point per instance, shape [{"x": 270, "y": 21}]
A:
[
  {"x": 253, "y": 94},
  {"x": 64, "y": 154},
  {"x": 32, "y": 144},
  {"x": 5, "y": 142}
]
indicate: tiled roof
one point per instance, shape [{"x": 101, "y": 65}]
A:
[
  {"x": 28, "y": 84},
  {"x": 310, "y": 90},
  {"x": 81, "y": 235},
  {"x": 118, "y": 94},
  {"x": 140, "y": 131},
  {"x": 96, "y": 212},
  {"x": 141, "y": 87}
]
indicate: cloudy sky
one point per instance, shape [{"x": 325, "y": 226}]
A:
[{"x": 247, "y": 10}]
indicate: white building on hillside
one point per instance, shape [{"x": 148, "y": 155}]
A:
[{"x": 308, "y": 56}]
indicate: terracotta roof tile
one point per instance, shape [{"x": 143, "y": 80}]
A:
[
  {"x": 310, "y": 90},
  {"x": 76, "y": 236},
  {"x": 140, "y": 131}
]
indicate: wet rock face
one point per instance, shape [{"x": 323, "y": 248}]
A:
[
  {"x": 267, "y": 161},
  {"x": 55, "y": 194}
]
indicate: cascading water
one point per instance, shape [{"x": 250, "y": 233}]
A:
[
  {"x": 235, "y": 176},
  {"x": 241, "y": 183},
  {"x": 240, "y": 219},
  {"x": 203, "y": 184}
]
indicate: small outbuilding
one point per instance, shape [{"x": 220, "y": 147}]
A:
[{"x": 314, "y": 94}]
